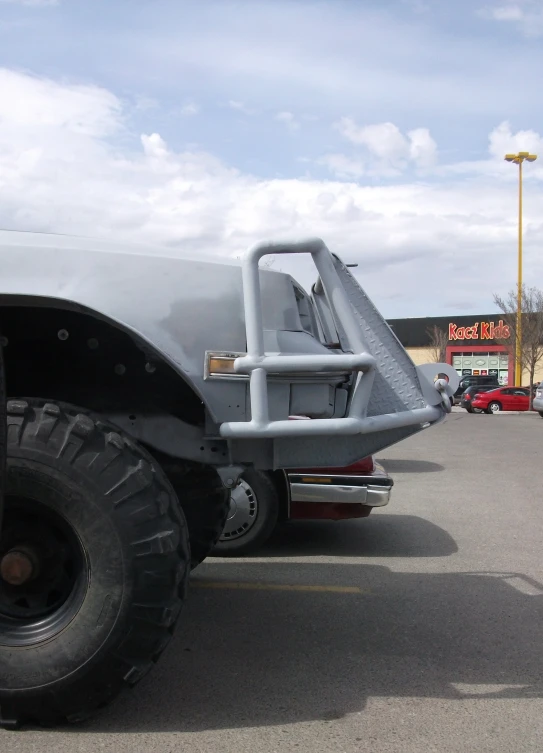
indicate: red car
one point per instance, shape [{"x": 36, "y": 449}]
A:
[
  {"x": 263, "y": 499},
  {"x": 502, "y": 398}
]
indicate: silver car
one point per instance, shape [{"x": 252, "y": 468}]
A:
[{"x": 538, "y": 399}]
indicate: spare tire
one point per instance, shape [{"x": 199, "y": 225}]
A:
[{"x": 94, "y": 564}]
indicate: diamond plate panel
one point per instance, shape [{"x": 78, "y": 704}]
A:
[{"x": 396, "y": 387}]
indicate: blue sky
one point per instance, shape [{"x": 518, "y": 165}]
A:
[{"x": 379, "y": 125}]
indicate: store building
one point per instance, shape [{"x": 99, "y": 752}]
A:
[{"x": 477, "y": 345}]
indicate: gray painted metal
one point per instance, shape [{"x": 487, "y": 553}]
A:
[
  {"x": 178, "y": 304},
  {"x": 182, "y": 307},
  {"x": 387, "y": 392}
]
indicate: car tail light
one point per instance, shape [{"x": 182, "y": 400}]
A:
[
  {"x": 366, "y": 465},
  {"x": 467, "y": 397}
]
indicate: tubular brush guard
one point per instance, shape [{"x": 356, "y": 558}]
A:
[{"x": 388, "y": 391}]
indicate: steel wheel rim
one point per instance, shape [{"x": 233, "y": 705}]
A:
[
  {"x": 39, "y": 609},
  {"x": 242, "y": 514},
  {"x": 495, "y": 408}
]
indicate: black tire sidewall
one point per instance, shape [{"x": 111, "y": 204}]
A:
[
  {"x": 108, "y": 593},
  {"x": 3, "y": 433},
  {"x": 133, "y": 535},
  {"x": 268, "y": 503}
]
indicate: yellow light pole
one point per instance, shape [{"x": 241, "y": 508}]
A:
[{"x": 518, "y": 159}]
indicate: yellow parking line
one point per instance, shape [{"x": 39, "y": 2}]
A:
[{"x": 245, "y": 586}]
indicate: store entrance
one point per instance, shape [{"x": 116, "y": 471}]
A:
[{"x": 492, "y": 363}]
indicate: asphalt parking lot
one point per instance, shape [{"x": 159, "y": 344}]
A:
[{"x": 416, "y": 630}]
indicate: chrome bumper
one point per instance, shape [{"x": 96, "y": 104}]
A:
[{"x": 372, "y": 490}]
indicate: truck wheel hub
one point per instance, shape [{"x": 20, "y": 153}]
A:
[
  {"x": 18, "y": 567},
  {"x": 43, "y": 574}
]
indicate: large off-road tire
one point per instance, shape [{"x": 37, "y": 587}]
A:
[
  {"x": 253, "y": 516},
  {"x": 204, "y": 500},
  {"x": 94, "y": 520},
  {"x": 3, "y": 434}
]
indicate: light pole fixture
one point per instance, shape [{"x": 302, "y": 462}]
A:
[{"x": 518, "y": 159}]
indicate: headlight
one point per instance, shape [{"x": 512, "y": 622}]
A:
[{"x": 222, "y": 365}]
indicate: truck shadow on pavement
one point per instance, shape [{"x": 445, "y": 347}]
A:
[
  {"x": 244, "y": 658},
  {"x": 380, "y": 535}
]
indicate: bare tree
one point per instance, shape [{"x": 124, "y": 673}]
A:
[
  {"x": 438, "y": 344},
  {"x": 532, "y": 327}
]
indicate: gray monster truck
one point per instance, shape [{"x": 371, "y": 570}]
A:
[{"x": 137, "y": 385}]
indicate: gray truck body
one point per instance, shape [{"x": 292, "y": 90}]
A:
[
  {"x": 144, "y": 387},
  {"x": 328, "y": 356}
]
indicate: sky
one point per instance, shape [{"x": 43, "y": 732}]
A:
[{"x": 378, "y": 125}]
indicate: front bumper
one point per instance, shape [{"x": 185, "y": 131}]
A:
[
  {"x": 372, "y": 489},
  {"x": 537, "y": 403}
]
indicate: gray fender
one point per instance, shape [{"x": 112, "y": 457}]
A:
[{"x": 180, "y": 307}]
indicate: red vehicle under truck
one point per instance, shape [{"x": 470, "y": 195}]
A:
[{"x": 262, "y": 499}]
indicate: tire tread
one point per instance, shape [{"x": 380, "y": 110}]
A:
[{"x": 138, "y": 491}]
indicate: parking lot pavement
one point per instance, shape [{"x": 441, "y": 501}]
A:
[
  {"x": 418, "y": 629},
  {"x": 531, "y": 414}
]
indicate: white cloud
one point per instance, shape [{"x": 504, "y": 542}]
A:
[
  {"x": 343, "y": 166},
  {"x": 422, "y": 147},
  {"x": 390, "y": 149},
  {"x": 288, "y": 119},
  {"x": 526, "y": 14},
  {"x": 146, "y": 103},
  {"x": 502, "y": 141},
  {"x": 417, "y": 65},
  {"x": 190, "y": 109},
  {"x": 240, "y": 106},
  {"x": 61, "y": 170},
  {"x": 29, "y": 101},
  {"x": 507, "y": 13}
]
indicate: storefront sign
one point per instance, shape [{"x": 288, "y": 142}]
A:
[{"x": 480, "y": 331}]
